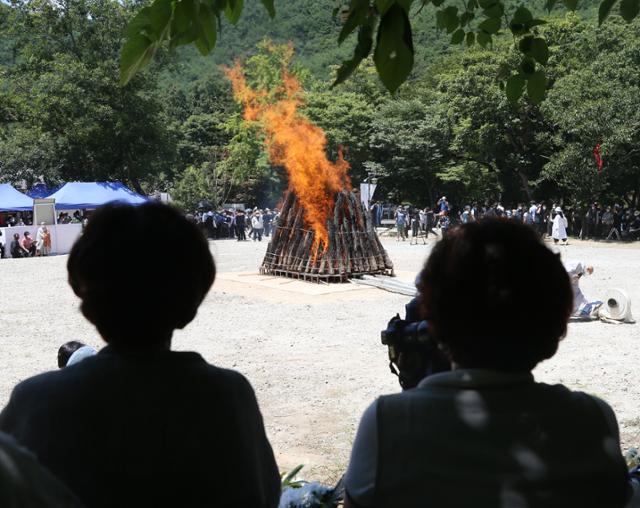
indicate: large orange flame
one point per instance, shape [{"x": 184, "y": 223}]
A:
[{"x": 298, "y": 145}]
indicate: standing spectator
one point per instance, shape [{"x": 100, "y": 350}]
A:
[
  {"x": 15, "y": 248},
  {"x": 401, "y": 223},
  {"x": 443, "y": 205},
  {"x": 431, "y": 222},
  {"x": 43, "y": 240},
  {"x": 240, "y": 225},
  {"x": 616, "y": 230},
  {"x": 257, "y": 224},
  {"x": 445, "y": 223},
  {"x": 209, "y": 224},
  {"x": 559, "y": 230},
  {"x": 415, "y": 223},
  {"x": 374, "y": 213},
  {"x": 590, "y": 221},
  {"x": 542, "y": 217},
  {"x": 465, "y": 217},
  {"x": 267, "y": 219},
  {"x": 28, "y": 245},
  {"x": 533, "y": 210}
]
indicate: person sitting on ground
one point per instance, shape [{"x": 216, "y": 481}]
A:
[
  {"x": 28, "y": 245},
  {"x": 582, "y": 308},
  {"x": 139, "y": 425},
  {"x": 486, "y": 434},
  {"x": 72, "y": 352},
  {"x": 15, "y": 248}
]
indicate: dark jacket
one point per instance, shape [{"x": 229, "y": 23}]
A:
[{"x": 160, "y": 429}]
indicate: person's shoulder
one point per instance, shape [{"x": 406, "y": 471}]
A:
[{"x": 223, "y": 377}]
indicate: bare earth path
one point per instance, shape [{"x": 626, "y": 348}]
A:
[{"x": 313, "y": 353}]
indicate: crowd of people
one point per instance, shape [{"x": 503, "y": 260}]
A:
[
  {"x": 240, "y": 224},
  {"x": 140, "y": 425},
  {"x": 25, "y": 246},
  {"x": 596, "y": 222}
]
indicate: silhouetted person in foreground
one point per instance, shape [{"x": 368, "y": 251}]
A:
[
  {"x": 139, "y": 425},
  {"x": 486, "y": 434}
]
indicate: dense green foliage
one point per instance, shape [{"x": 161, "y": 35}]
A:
[
  {"x": 450, "y": 129},
  {"x": 385, "y": 31}
]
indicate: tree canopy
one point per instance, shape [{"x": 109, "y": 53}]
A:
[
  {"x": 449, "y": 129},
  {"x": 384, "y": 29}
]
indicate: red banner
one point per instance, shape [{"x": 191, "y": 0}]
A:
[{"x": 597, "y": 153}]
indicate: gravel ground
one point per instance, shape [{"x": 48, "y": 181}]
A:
[{"x": 315, "y": 360}]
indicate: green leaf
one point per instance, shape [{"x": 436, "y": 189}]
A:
[
  {"x": 537, "y": 86},
  {"x": 448, "y": 18},
  {"x": 550, "y": 5},
  {"x": 136, "y": 52},
  {"x": 629, "y": 9},
  {"x": 539, "y": 50},
  {"x": 491, "y": 25},
  {"x": 605, "y": 10},
  {"x": 140, "y": 24},
  {"x": 357, "y": 16},
  {"x": 393, "y": 55},
  {"x": 160, "y": 13},
  {"x": 458, "y": 36},
  {"x": 572, "y": 5},
  {"x": 534, "y": 22},
  {"x": 515, "y": 88},
  {"x": 466, "y": 17},
  {"x": 528, "y": 66},
  {"x": 495, "y": 11},
  {"x": 208, "y": 32},
  {"x": 362, "y": 50},
  {"x": 471, "y": 39},
  {"x": 234, "y": 10},
  {"x": 291, "y": 475},
  {"x": 271, "y": 9},
  {"x": 487, "y": 4},
  {"x": 183, "y": 16},
  {"x": 522, "y": 15},
  {"x": 383, "y": 5},
  {"x": 483, "y": 39}
]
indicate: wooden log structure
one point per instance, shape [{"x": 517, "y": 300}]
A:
[{"x": 354, "y": 247}]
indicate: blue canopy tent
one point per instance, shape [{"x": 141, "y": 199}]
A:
[
  {"x": 12, "y": 200},
  {"x": 78, "y": 195},
  {"x": 41, "y": 190}
]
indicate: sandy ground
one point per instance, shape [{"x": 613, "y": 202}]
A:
[{"x": 313, "y": 354}]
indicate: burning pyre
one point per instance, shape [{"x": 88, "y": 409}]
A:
[{"x": 324, "y": 232}]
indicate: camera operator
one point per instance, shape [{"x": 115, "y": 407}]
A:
[{"x": 486, "y": 434}]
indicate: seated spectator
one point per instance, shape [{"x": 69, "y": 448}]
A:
[
  {"x": 487, "y": 434},
  {"x": 72, "y": 352},
  {"x": 139, "y": 425},
  {"x": 15, "y": 247},
  {"x": 24, "y": 483},
  {"x": 28, "y": 245}
]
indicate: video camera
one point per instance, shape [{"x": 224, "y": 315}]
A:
[{"x": 413, "y": 353}]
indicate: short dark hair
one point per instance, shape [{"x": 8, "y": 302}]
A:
[
  {"x": 496, "y": 296},
  {"x": 141, "y": 272},
  {"x": 66, "y": 350},
  {"x": 16, "y": 236}
]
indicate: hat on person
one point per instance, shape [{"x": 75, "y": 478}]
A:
[
  {"x": 558, "y": 209},
  {"x": 81, "y": 354}
]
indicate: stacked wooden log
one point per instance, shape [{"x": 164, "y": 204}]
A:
[{"x": 354, "y": 248}]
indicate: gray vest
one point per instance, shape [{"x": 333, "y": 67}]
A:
[{"x": 518, "y": 445}]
